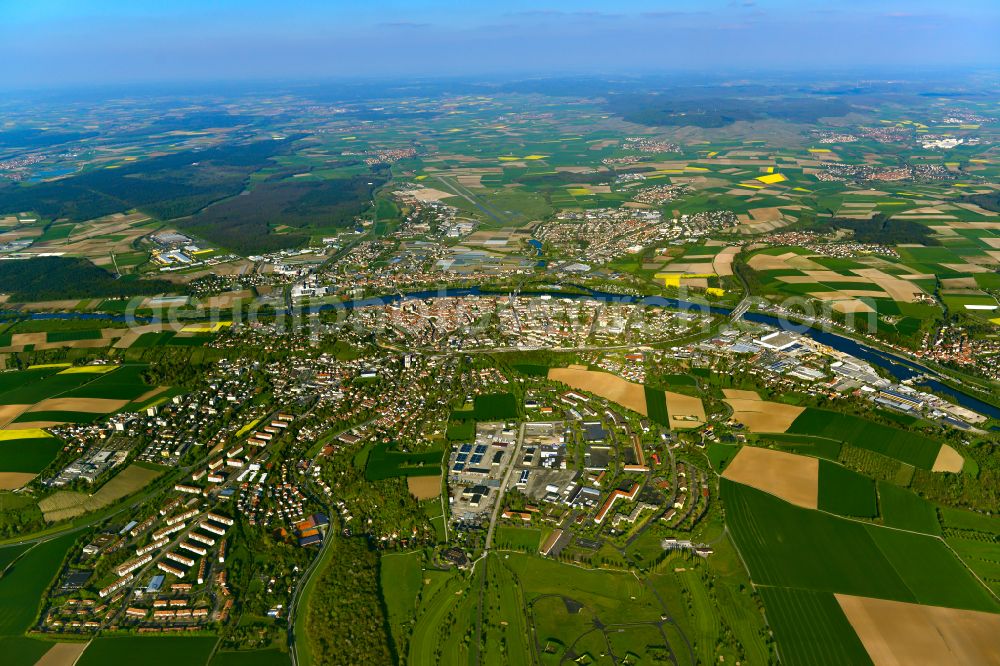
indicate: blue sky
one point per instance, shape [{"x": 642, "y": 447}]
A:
[{"x": 56, "y": 42}]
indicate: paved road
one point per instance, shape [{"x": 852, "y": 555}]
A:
[{"x": 503, "y": 489}]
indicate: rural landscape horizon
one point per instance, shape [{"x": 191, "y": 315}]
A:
[{"x": 428, "y": 332}]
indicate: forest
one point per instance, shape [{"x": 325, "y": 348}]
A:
[
  {"x": 989, "y": 201},
  {"x": 164, "y": 187},
  {"x": 247, "y": 223},
  {"x": 882, "y": 229},
  {"x": 57, "y": 278},
  {"x": 346, "y": 621},
  {"x": 714, "y": 112}
]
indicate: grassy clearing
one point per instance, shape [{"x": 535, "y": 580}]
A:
[
  {"x": 383, "y": 463},
  {"x": 518, "y": 538},
  {"x": 719, "y": 454},
  {"x": 489, "y": 407},
  {"x": 401, "y": 580}
]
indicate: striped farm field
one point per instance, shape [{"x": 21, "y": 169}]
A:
[
  {"x": 906, "y": 510},
  {"x": 788, "y": 546},
  {"x": 811, "y": 629},
  {"x": 905, "y": 446},
  {"x": 154, "y": 650}
]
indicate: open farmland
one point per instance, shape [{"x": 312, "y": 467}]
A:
[
  {"x": 75, "y": 394},
  {"x": 65, "y": 504},
  {"x": 904, "y": 509},
  {"x": 21, "y": 458},
  {"x": 788, "y": 476},
  {"x": 787, "y": 546},
  {"x": 908, "y": 447},
  {"x": 845, "y": 492},
  {"x": 811, "y": 629},
  {"x": 763, "y": 416},
  {"x": 156, "y": 650},
  {"x": 604, "y": 384},
  {"x": 900, "y": 633},
  {"x": 23, "y": 584}
]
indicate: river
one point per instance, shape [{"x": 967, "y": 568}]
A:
[{"x": 897, "y": 366}]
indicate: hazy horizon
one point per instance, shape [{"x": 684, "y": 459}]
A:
[{"x": 54, "y": 43}]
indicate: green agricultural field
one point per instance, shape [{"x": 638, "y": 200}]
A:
[
  {"x": 22, "y": 585},
  {"x": 787, "y": 546},
  {"x": 28, "y": 455},
  {"x": 908, "y": 447},
  {"x": 125, "y": 383},
  {"x": 269, "y": 657},
  {"x": 806, "y": 445},
  {"x": 656, "y": 405},
  {"x": 152, "y": 650},
  {"x": 906, "y": 510},
  {"x": 35, "y": 390},
  {"x": 152, "y": 339},
  {"x": 845, "y": 492},
  {"x": 22, "y": 651},
  {"x": 58, "y": 417},
  {"x": 981, "y": 555},
  {"x": 384, "y": 463},
  {"x": 71, "y": 336},
  {"x": 811, "y": 629},
  {"x": 10, "y": 553},
  {"x": 931, "y": 570}
]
